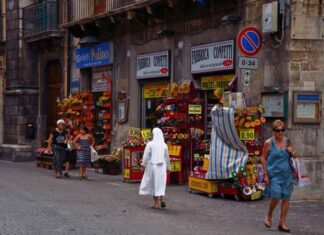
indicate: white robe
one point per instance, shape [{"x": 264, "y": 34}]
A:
[{"x": 155, "y": 176}]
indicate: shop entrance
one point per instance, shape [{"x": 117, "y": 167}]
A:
[
  {"x": 153, "y": 95},
  {"x": 53, "y": 88}
]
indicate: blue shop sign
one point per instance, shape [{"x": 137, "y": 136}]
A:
[{"x": 101, "y": 54}]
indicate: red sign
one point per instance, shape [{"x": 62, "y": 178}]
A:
[{"x": 249, "y": 41}]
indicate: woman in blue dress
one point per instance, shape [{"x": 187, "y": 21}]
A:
[
  {"x": 278, "y": 173},
  {"x": 84, "y": 142}
]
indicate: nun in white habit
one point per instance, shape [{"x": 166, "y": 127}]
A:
[{"x": 156, "y": 163}]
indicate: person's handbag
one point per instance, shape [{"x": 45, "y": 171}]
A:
[
  {"x": 94, "y": 155},
  {"x": 300, "y": 175}
]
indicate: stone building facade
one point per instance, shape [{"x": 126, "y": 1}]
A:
[{"x": 289, "y": 61}]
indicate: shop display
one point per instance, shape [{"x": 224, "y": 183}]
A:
[
  {"x": 110, "y": 163},
  {"x": 234, "y": 157}
]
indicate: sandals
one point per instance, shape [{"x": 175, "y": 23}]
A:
[
  {"x": 154, "y": 207},
  {"x": 282, "y": 229},
  {"x": 67, "y": 175},
  {"x": 163, "y": 205}
]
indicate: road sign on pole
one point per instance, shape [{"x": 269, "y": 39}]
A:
[
  {"x": 249, "y": 41},
  {"x": 248, "y": 63}
]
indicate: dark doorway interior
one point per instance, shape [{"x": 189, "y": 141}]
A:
[{"x": 53, "y": 81}]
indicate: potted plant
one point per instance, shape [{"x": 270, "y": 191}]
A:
[{"x": 110, "y": 163}]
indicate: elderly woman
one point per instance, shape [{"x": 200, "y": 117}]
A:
[
  {"x": 278, "y": 173},
  {"x": 57, "y": 143},
  {"x": 156, "y": 163}
]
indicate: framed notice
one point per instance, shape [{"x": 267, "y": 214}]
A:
[
  {"x": 307, "y": 107},
  {"x": 275, "y": 104},
  {"x": 101, "y": 79}
]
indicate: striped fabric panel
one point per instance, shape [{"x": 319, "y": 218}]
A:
[{"x": 227, "y": 152}]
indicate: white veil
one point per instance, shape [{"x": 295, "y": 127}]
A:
[{"x": 158, "y": 147}]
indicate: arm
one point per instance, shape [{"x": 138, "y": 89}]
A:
[
  {"x": 92, "y": 141},
  {"x": 49, "y": 143},
  {"x": 167, "y": 159},
  {"x": 76, "y": 140},
  {"x": 264, "y": 158},
  {"x": 291, "y": 149},
  {"x": 146, "y": 155}
]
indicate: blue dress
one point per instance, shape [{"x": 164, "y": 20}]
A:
[
  {"x": 84, "y": 154},
  {"x": 279, "y": 172}
]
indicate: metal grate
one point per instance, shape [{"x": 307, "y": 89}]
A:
[{"x": 40, "y": 17}]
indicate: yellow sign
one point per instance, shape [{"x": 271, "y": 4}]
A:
[
  {"x": 174, "y": 150},
  {"x": 134, "y": 132},
  {"x": 247, "y": 134},
  {"x": 156, "y": 90},
  {"x": 195, "y": 109},
  {"x": 126, "y": 173},
  {"x": 256, "y": 195},
  {"x": 213, "y": 82},
  {"x": 175, "y": 166},
  {"x": 206, "y": 164},
  {"x": 146, "y": 133}
]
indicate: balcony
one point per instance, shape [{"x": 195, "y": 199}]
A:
[
  {"x": 41, "y": 20},
  {"x": 79, "y": 11}
]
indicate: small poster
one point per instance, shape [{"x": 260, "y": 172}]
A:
[{"x": 101, "y": 80}]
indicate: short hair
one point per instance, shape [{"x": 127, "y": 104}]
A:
[
  {"x": 86, "y": 130},
  {"x": 277, "y": 123}
]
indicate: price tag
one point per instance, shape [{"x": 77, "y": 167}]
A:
[
  {"x": 126, "y": 173},
  {"x": 174, "y": 150},
  {"x": 195, "y": 109},
  {"x": 134, "y": 132},
  {"x": 206, "y": 164},
  {"x": 146, "y": 133},
  {"x": 175, "y": 166},
  {"x": 247, "y": 134}
]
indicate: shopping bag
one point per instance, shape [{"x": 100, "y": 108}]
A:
[
  {"x": 94, "y": 155},
  {"x": 300, "y": 176}
]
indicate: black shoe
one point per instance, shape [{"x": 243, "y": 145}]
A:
[
  {"x": 163, "y": 205},
  {"x": 282, "y": 229},
  {"x": 66, "y": 175}
]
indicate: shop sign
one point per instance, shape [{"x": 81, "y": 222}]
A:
[
  {"x": 213, "y": 57},
  {"x": 101, "y": 80},
  {"x": 156, "y": 90},
  {"x": 134, "y": 132},
  {"x": 214, "y": 82},
  {"x": 146, "y": 133},
  {"x": 246, "y": 134},
  {"x": 195, "y": 109},
  {"x": 174, "y": 150},
  {"x": 97, "y": 55},
  {"x": 175, "y": 166},
  {"x": 153, "y": 65}
]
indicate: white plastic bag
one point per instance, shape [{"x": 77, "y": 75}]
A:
[
  {"x": 300, "y": 176},
  {"x": 94, "y": 155}
]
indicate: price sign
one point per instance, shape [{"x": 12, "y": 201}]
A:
[
  {"x": 247, "y": 134},
  {"x": 175, "y": 166},
  {"x": 248, "y": 63},
  {"x": 174, "y": 150},
  {"x": 126, "y": 173},
  {"x": 206, "y": 164},
  {"x": 195, "y": 109},
  {"x": 134, "y": 132},
  {"x": 146, "y": 133}
]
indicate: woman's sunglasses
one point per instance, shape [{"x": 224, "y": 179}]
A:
[{"x": 279, "y": 130}]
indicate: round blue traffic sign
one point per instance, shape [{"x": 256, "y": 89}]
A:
[{"x": 249, "y": 41}]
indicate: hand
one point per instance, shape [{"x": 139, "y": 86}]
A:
[
  {"x": 290, "y": 149},
  {"x": 48, "y": 151},
  {"x": 266, "y": 179}
]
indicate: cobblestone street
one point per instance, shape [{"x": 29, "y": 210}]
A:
[{"x": 32, "y": 201}]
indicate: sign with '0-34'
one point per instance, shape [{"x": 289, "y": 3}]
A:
[{"x": 97, "y": 55}]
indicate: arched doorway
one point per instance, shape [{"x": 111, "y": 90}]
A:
[{"x": 53, "y": 91}]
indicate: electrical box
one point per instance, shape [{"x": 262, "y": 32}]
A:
[{"x": 270, "y": 16}]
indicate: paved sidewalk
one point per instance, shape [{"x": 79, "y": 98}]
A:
[{"x": 33, "y": 202}]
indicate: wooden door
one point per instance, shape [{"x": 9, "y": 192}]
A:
[{"x": 53, "y": 92}]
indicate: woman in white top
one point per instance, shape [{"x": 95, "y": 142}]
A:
[{"x": 156, "y": 163}]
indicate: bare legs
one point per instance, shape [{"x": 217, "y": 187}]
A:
[
  {"x": 283, "y": 215},
  {"x": 157, "y": 201},
  {"x": 83, "y": 173},
  {"x": 284, "y": 212}
]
